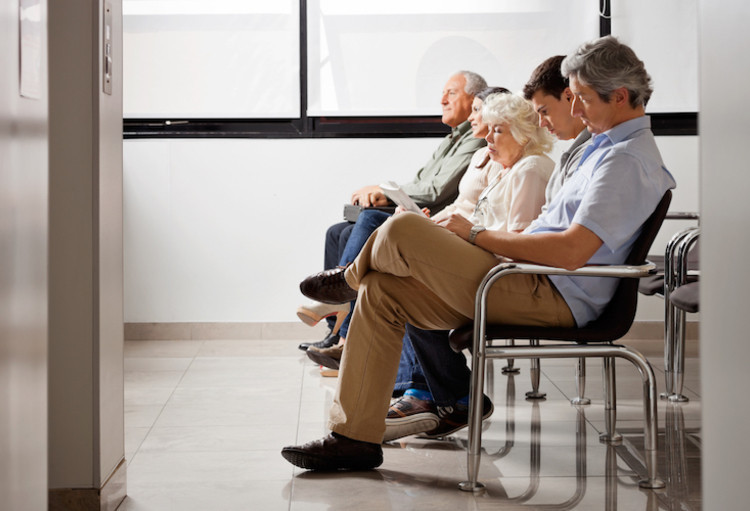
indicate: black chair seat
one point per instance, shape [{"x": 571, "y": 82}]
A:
[
  {"x": 687, "y": 297},
  {"x": 652, "y": 285},
  {"x": 611, "y": 325}
]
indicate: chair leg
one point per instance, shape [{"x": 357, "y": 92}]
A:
[
  {"x": 535, "y": 376},
  {"x": 610, "y": 436},
  {"x": 476, "y": 405},
  {"x": 607, "y": 352},
  {"x": 669, "y": 335},
  {"x": 650, "y": 427},
  {"x": 509, "y": 367},
  {"x": 611, "y": 480},
  {"x": 580, "y": 399},
  {"x": 678, "y": 374}
]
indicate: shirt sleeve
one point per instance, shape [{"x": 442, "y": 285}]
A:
[
  {"x": 435, "y": 185},
  {"x": 619, "y": 199}
]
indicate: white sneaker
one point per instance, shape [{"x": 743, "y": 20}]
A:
[{"x": 410, "y": 416}]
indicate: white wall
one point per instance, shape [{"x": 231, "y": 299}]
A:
[
  {"x": 224, "y": 230},
  {"x": 23, "y": 274}
]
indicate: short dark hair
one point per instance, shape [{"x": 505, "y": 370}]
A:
[
  {"x": 547, "y": 78},
  {"x": 482, "y": 95}
]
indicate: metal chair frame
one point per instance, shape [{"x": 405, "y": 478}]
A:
[
  {"x": 676, "y": 274},
  {"x": 592, "y": 340},
  {"x": 482, "y": 351}
]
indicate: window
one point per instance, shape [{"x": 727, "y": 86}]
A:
[
  {"x": 330, "y": 68},
  {"x": 664, "y": 34},
  {"x": 211, "y": 59},
  {"x": 393, "y": 57}
]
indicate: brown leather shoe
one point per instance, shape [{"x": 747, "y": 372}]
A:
[
  {"x": 328, "y": 286},
  {"x": 327, "y": 357},
  {"x": 334, "y": 452}
]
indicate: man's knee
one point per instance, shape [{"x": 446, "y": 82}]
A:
[
  {"x": 379, "y": 290},
  {"x": 334, "y": 232},
  {"x": 403, "y": 224},
  {"x": 372, "y": 218}
]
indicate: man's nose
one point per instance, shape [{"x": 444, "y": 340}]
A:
[{"x": 575, "y": 107}]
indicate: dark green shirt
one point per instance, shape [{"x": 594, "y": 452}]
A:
[{"x": 436, "y": 184}]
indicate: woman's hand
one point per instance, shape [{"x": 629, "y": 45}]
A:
[{"x": 457, "y": 224}]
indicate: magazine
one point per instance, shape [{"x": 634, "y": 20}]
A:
[{"x": 397, "y": 195}]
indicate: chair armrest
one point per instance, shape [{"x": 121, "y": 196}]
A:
[
  {"x": 503, "y": 269},
  {"x": 624, "y": 271},
  {"x": 682, "y": 215}
]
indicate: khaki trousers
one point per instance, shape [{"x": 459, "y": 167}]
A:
[{"x": 414, "y": 271}]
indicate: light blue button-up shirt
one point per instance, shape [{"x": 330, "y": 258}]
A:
[{"x": 619, "y": 182}]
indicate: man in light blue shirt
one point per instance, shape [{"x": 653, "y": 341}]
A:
[
  {"x": 620, "y": 178},
  {"x": 594, "y": 219}
]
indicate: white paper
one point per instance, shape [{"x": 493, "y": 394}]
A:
[{"x": 397, "y": 195}]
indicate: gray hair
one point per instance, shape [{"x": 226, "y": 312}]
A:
[
  {"x": 522, "y": 121},
  {"x": 606, "y": 64},
  {"x": 474, "y": 82}
]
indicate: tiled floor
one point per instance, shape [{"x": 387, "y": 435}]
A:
[{"x": 205, "y": 421}]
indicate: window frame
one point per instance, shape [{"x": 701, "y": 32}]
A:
[{"x": 674, "y": 124}]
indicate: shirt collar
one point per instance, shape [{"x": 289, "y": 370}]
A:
[
  {"x": 461, "y": 129},
  {"x": 624, "y": 130}
]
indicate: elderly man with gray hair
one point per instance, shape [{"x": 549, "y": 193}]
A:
[
  {"x": 434, "y": 186},
  {"x": 415, "y": 271}
]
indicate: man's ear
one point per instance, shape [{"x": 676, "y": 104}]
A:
[
  {"x": 621, "y": 96},
  {"x": 567, "y": 95}
]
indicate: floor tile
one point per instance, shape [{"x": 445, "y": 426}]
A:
[{"x": 206, "y": 420}]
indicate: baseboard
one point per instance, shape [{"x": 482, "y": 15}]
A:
[
  {"x": 646, "y": 330},
  {"x": 654, "y": 330},
  {"x": 106, "y": 498},
  {"x": 223, "y": 331}
]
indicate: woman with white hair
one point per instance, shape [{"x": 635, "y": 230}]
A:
[
  {"x": 515, "y": 140},
  {"x": 435, "y": 388}
]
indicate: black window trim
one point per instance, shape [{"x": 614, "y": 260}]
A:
[{"x": 662, "y": 124}]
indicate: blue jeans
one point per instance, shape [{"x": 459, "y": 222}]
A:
[
  {"x": 429, "y": 363},
  {"x": 336, "y": 237},
  {"x": 367, "y": 221}
]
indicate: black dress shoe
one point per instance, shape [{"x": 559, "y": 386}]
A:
[
  {"x": 328, "y": 286},
  {"x": 334, "y": 452},
  {"x": 327, "y": 357},
  {"x": 457, "y": 418},
  {"x": 330, "y": 340}
]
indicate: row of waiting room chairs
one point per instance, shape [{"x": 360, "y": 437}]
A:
[
  {"x": 678, "y": 283},
  {"x": 593, "y": 340}
]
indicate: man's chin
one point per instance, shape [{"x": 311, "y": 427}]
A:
[{"x": 450, "y": 121}]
